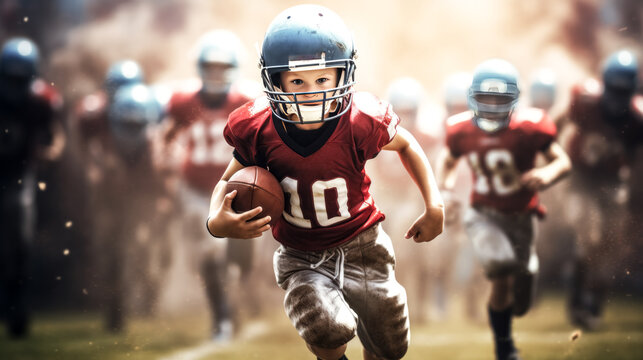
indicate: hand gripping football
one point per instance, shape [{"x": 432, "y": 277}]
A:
[{"x": 256, "y": 186}]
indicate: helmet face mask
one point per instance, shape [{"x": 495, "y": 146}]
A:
[
  {"x": 217, "y": 78},
  {"x": 302, "y": 38},
  {"x": 493, "y": 95}
]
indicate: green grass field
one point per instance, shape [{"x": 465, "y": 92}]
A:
[{"x": 543, "y": 334}]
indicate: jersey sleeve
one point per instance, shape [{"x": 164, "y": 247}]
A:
[
  {"x": 544, "y": 131},
  {"x": 176, "y": 107},
  {"x": 454, "y": 124},
  {"x": 452, "y": 144},
  {"x": 374, "y": 124},
  {"x": 584, "y": 99},
  {"x": 241, "y": 132},
  {"x": 634, "y": 135}
]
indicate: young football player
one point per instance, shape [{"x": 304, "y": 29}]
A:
[
  {"x": 108, "y": 166},
  {"x": 427, "y": 282},
  {"x": 31, "y": 132},
  {"x": 605, "y": 124},
  {"x": 500, "y": 145},
  {"x": 196, "y": 118},
  {"x": 314, "y": 134},
  {"x": 467, "y": 276}
]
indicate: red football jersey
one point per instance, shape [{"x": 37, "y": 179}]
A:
[
  {"x": 327, "y": 190},
  {"x": 91, "y": 117},
  {"x": 498, "y": 160},
  {"x": 599, "y": 147},
  {"x": 207, "y": 154}
]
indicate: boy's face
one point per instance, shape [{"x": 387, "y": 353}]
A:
[
  {"x": 319, "y": 81},
  {"x": 309, "y": 80}
]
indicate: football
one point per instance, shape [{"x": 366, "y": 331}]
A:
[{"x": 256, "y": 186}]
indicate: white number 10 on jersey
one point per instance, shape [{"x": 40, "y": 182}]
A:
[{"x": 319, "y": 188}]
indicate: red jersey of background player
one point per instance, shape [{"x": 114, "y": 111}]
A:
[
  {"x": 327, "y": 190},
  {"x": 498, "y": 160},
  {"x": 91, "y": 113},
  {"x": 207, "y": 155},
  {"x": 600, "y": 145}
]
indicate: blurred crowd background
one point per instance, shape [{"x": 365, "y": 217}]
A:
[{"x": 430, "y": 43}]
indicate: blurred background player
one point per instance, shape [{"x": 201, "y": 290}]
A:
[
  {"x": 121, "y": 178},
  {"x": 542, "y": 90},
  {"x": 428, "y": 279},
  {"x": 335, "y": 263},
  {"x": 467, "y": 276},
  {"x": 194, "y": 128},
  {"x": 604, "y": 127},
  {"x": 138, "y": 250},
  {"x": 29, "y": 133},
  {"x": 556, "y": 234},
  {"x": 91, "y": 130},
  {"x": 500, "y": 145}
]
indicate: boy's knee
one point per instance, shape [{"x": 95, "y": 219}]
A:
[
  {"x": 395, "y": 350},
  {"x": 321, "y": 321}
]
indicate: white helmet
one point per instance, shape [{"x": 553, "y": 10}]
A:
[
  {"x": 542, "y": 92},
  {"x": 219, "y": 47},
  {"x": 405, "y": 94},
  {"x": 456, "y": 88}
]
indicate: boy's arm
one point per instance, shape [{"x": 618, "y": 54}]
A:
[
  {"x": 558, "y": 165},
  {"x": 225, "y": 222},
  {"x": 430, "y": 224},
  {"x": 446, "y": 176},
  {"x": 446, "y": 171}
]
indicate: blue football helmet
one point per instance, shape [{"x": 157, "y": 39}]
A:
[
  {"x": 308, "y": 37},
  {"x": 19, "y": 62},
  {"x": 220, "y": 53},
  {"x": 493, "y": 94},
  {"x": 620, "y": 81},
  {"x": 133, "y": 109},
  {"x": 121, "y": 73},
  {"x": 542, "y": 91},
  {"x": 19, "y": 59}
]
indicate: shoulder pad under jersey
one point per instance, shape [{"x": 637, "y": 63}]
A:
[
  {"x": 590, "y": 88},
  {"x": 368, "y": 112},
  {"x": 459, "y": 118},
  {"x": 248, "y": 89},
  {"x": 532, "y": 115},
  {"x": 637, "y": 105},
  {"x": 368, "y": 104},
  {"x": 250, "y": 110},
  {"x": 92, "y": 105},
  {"x": 48, "y": 93}
]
